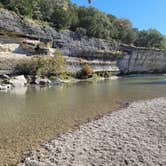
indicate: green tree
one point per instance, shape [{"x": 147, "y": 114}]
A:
[
  {"x": 150, "y": 38},
  {"x": 123, "y": 31},
  {"x": 96, "y": 23},
  {"x": 22, "y": 7},
  {"x": 61, "y": 18},
  {"x": 74, "y": 20}
]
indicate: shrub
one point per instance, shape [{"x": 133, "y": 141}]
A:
[
  {"x": 28, "y": 67},
  {"x": 43, "y": 66},
  {"x": 85, "y": 72}
]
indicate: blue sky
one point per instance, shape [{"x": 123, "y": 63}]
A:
[{"x": 144, "y": 14}]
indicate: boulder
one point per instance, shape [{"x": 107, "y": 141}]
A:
[
  {"x": 42, "y": 81},
  {"x": 18, "y": 81}
]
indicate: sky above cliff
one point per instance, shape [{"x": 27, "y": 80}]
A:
[{"x": 144, "y": 14}]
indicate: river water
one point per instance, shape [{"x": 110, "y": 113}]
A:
[{"x": 31, "y": 116}]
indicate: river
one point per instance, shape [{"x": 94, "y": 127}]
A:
[{"x": 30, "y": 116}]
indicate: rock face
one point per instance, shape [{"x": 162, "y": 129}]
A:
[
  {"x": 106, "y": 54},
  {"x": 142, "y": 60},
  {"x": 70, "y": 43},
  {"x": 11, "y": 23},
  {"x": 75, "y": 64},
  {"x": 73, "y": 45}
]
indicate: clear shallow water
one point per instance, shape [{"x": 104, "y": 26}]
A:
[{"x": 31, "y": 116}]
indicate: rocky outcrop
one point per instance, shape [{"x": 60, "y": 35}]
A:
[
  {"x": 75, "y": 64},
  {"x": 8, "y": 62},
  {"x": 14, "y": 25},
  {"x": 70, "y": 43}
]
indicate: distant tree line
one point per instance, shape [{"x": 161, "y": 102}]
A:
[{"x": 62, "y": 14}]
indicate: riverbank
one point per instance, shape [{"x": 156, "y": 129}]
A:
[
  {"x": 132, "y": 136},
  {"x": 8, "y": 82}
]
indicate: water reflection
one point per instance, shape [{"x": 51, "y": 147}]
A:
[{"x": 19, "y": 91}]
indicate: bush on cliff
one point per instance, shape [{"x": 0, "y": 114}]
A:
[
  {"x": 43, "y": 66},
  {"x": 85, "y": 72}
]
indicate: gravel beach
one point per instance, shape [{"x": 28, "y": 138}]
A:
[{"x": 134, "y": 136}]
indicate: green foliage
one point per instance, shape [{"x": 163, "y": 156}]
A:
[
  {"x": 150, "y": 38},
  {"x": 43, "y": 66},
  {"x": 123, "y": 31},
  {"x": 21, "y": 7},
  {"x": 163, "y": 43},
  {"x": 63, "y": 19},
  {"x": 96, "y": 23}
]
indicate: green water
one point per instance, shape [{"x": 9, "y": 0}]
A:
[{"x": 31, "y": 116}]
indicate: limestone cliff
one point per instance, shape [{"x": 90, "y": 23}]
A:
[
  {"x": 142, "y": 60},
  {"x": 101, "y": 54}
]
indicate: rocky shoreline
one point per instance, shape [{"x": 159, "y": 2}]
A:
[
  {"x": 9, "y": 82},
  {"x": 135, "y": 135}
]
